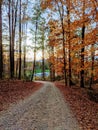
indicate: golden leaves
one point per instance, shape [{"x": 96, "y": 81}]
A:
[{"x": 70, "y": 25}]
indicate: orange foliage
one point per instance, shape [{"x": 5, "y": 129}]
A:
[{"x": 77, "y": 19}]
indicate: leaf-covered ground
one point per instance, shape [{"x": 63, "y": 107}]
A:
[
  {"x": 12, "y": 91},
  {"x": 85, "y": 110},
  {"x": 43, "y": 110}
]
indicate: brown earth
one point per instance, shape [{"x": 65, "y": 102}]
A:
[
  {"x": 11, "y": 91},
  {"x": 85, "y": 110},
  {"x": 46, "y": 109}
]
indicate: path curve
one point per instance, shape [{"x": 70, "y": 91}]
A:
[{"x": 43, "y": 110}]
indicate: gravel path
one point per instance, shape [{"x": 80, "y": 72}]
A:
[{"x": 44, "y": 110}]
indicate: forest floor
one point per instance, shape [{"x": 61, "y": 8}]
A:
[
  {"x": 85, "y": 110},
  {"x": 46, "y": 109},
  {"x": 11, "y": 91}
]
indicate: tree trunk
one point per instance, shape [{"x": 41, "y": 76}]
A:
[
  {"x": 50, "y": 68},
  {"x": 20, "y": 42},
  {"x": 12, "y": 27},
  {"x": 1, "y": 55},
  {"x": 92, "y": 68},
  {"x": 53, "y": 67},
  {"x": 12, "y": 44},
  {"x": 43, "y": 61},
  {"x": 34, "y": 62},
  {"x": 82, "y": 60},
  {"x": 93, "y": 53},
  {"x": 14, "y": 21},
  {"x": 63, "y": 37},
  {"x": 82, "y": 50},
  {"x": 68, "y": 17},
  {"x": 10, "y": 39},
  {"x": 64, "y": 55},
  {"x": 25, "y": 51}
]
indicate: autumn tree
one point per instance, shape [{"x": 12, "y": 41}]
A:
[
  {"x": 95, "y": 16},
  {"x": 77, "y": 21},
  {"x": 59, "y": 6},
  {"x": 82, "y": 49}
]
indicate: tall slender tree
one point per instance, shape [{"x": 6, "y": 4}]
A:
[
  {"x": 35, "y": 21},
  {"x": 9, "y": 14},
  {"x": 19, "y": 40},
  {"x": 69, "y": 43},
  {"x": 13, "y": 8},
  {"x": 93, "y": 46},
  {"x": 34, "y": 61},
  {"x": 25, "y": 50},
  {"x": 41, "y": 42},
  {"x": 61, "y": 13},
  {"x": 43, "y": 56},
  {"x": 42, "y": 46},
  {"x": 83, "y": 48},
  {"x": 1, "y": 55}
]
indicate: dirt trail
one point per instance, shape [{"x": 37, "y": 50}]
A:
[{"x": 44, "y": 110}]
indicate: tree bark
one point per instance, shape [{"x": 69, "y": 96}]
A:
[
  {"x": 68, "y": 17},
  {"x": 63, "y": 37},
  {"x": 12, "y": 44},
  {"x": 20, "y": 42},
  {"x": 10, "y": 39},
  {"x": 82, "y": 50},
  {"x": 1, "y": 55},
  {"x": 34, "y": 62},
  {"x": 43, "y": 60},
  {"x": 53, "y": 67},
  {"x": 12, "y": 27},
  {"x": 92, "y": 68},
  {"x": 82, "y": 60},
  {"x": 25, "y": 51}
]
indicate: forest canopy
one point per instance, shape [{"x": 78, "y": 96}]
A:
[{"x": 66, "y": 29}]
